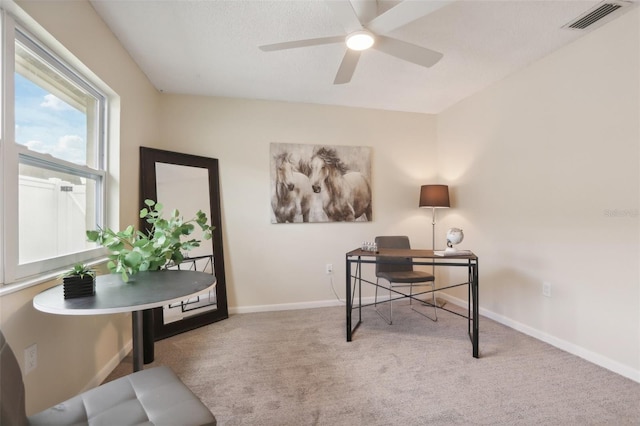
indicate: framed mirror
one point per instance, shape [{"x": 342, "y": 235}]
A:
[{"x": 188, "y": 183}]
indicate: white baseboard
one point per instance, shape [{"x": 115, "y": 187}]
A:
[
  {"x": 285, "y": 306},
  {"x": 569, "y": 347},
  {"x": 300, "y": 305}
]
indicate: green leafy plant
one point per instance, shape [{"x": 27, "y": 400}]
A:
[
  {"x": 135, "y": 251},
  {"x": 79, "y": 270}
]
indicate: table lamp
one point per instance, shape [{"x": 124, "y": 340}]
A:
[{"x": 434, "y": 197}]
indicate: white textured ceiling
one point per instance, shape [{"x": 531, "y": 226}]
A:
[{"x": 210, "y": 47}]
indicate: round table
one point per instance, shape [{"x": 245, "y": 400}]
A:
[{"x": 144, "y": 290}]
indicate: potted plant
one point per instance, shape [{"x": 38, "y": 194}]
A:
[
  {"x": 79, "y": 281},
  {"x": 134, "y": 251}
]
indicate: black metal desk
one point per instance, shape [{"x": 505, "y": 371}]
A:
[
  {"x": 419, "y": 257},
  {"x": 145, "y": 290}
]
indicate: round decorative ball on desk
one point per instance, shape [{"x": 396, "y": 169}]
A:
[{"x": 454, "y": 236}]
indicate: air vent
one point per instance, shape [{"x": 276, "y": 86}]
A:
[{"x": 594, "y": 15}]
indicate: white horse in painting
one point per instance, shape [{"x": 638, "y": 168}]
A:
[
  {"x": 348, "y": 194},
  {"x": 292, "y": 195}
]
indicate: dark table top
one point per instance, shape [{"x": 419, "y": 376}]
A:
[
  {"x": 413, "y": 254},
  {"x": 144, "y": 290}
]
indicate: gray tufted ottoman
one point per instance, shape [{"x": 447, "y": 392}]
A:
[{"x": 149, "y": 397}]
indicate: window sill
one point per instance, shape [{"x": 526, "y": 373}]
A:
[{"x": 42, "y": 278}]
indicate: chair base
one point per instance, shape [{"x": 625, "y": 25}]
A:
[
  {"x": 439, "y": 303},
  {"x": 435, "y": 311},
  {"x": 389, "y": 320}
]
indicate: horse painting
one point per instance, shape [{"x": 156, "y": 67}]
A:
[
  {"x": 346, "y": 195},
  {"x": 293, "y": 194}
]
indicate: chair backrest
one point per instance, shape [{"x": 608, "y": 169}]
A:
[
  {"x": 393, "y": 264},
  {"x": 12, "y": 398}
]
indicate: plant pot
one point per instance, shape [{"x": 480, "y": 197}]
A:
[{"x": 77, "y": 286}]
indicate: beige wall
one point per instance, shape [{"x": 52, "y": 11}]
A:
[
  {"x": 76, "y": 352},
  {"x": 274, "y": 264},
  {"x": 539, "y": 164}
]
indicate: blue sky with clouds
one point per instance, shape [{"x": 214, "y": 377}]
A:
[{"x": 46, "y": 124}]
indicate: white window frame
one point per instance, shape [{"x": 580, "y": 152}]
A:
[{"x": 11, "y": 272}]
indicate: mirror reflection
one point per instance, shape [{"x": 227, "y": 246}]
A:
[{"x": 171, "y": 182}]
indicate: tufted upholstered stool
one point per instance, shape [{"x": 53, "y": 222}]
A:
[{"x": 149, "y": 397}]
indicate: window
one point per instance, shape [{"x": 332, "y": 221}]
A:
[{"x": 53, "y": 158}]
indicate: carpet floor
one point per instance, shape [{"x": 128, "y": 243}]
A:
[{"x": 296, "y": 368}]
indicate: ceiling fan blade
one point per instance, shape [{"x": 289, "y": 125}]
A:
[
  {"x": 343, "y": 10},
  {"x": 347, "y": 67},
  {"x": 407, "y": 51},
  {"x": 403, "y": 13},
  {"x": 366, "y": 10},
  {"x": 302, "y": 43}
]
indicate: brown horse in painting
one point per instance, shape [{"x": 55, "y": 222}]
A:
[
  {"x": 292, "y": 196},
  {"x": 345, "y": 195}
]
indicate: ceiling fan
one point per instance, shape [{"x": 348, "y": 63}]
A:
[{"x": 361, "y": 37}]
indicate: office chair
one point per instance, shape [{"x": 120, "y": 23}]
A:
[{"x": 399, "y": 272}]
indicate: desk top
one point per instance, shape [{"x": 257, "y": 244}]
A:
[
  {"x": 144, "y": 290},
  {"x": 409, "y": 253}
]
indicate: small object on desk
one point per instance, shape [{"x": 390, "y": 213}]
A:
[
  {"x": 369, "y": 246},
  {"x": 79, "y": 286},
  {"x": 79, "y": 281},
  {"x": 454, "y": 236}
]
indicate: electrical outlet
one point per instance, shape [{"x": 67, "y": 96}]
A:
[
  {"x": 329, "y": 269},
  {"x": 546, "y": 289},
  {"x": 30, "y": 358}
]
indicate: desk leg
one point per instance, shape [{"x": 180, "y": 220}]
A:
[
  {"x": 351, "y": 291},
  {"x": 138, "y": 349},
  {"x": 476, "y": 314},
  {"x": 348, "y": 301},
  {"x": 359, "y": 272},
  {"x": 470, "y": 300}
]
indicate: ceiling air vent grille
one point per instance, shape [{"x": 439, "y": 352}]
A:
[{"x": 591, "y": 17}]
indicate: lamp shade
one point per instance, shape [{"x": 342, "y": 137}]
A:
[{"x": 434, "y": 196}]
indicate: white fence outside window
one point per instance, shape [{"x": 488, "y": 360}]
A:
[{"x": 55, "y": 208}]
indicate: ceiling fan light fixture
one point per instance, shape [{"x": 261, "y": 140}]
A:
[{"x": 360, "y": 40}]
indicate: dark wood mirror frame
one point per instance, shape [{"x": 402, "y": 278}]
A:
[{"x": 154, "y": 319}]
